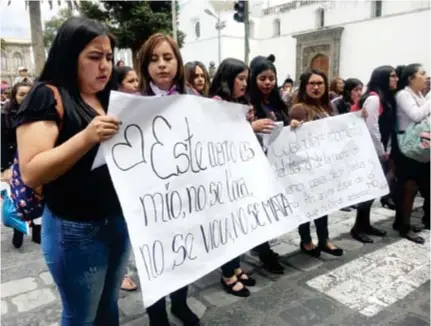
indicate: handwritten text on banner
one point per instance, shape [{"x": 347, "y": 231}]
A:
[
  {"x": 327, "y": 165},
  {"x": 195, "y": 187}
]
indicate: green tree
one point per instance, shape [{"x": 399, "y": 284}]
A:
[
  {"x": 133, "y": 22},
  {"x": 52, "y": 26}
]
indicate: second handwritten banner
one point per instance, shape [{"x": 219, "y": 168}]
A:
[
  {"x": 327, "y": 165},
  {"x": 195, "y": 187}
]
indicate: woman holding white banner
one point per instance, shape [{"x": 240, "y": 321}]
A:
[
  {"x": 85, "y": 241},
  {"x": 268, "y": 106},
  {"x": 230, "y": 84},
  {"x": 312, "y": 103},
  {"x": 162, "y": 73}
]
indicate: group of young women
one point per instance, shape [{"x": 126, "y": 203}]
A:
[{"x": 84, "y": 235}]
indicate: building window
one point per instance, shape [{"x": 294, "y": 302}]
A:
[
  {"x": 3, "y": 62},
  {"x": 320, "y": 17},
  {"x": 277, "y": 27},
  {"x": 198, "y": 29},
  {"x": 251, "y": 29},
  {"x": 17, "y": 61},
  {"x": 377, "y": 8}
]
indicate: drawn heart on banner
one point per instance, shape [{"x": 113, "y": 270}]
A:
[{"x": 128, "y": 154}]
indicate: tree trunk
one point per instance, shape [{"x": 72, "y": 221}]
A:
[{"x": 37, "y": 35}]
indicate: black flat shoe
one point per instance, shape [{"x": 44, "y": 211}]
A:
[
  {"x": 243, "y": 293},
  {"x": 17, "y": 239},
  {"x": 249, "y": 281},
  {"x": 413, "y": 237},
  {"x": 271, "y": 264},
  {"x": 184, "y": 313},
  {"x": 361, "y": 237},
  {"x": 374, "y": 231},
  {"x": 388, "y": 203},
  {"x": 315, "y": 252},
  {"x": 334, "y": 252}
]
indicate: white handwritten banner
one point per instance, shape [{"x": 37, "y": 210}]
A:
[
  {"x": 195, "y": 187},
  {"x": 327, "y": 165}
]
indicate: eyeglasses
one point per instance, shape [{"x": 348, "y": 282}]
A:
[{"x": 314, "y": 84}]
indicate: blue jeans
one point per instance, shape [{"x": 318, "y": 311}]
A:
[{"x": 87, "y": 261}]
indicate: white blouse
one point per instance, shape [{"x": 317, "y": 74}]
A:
[{"x": 411, "y": 108}]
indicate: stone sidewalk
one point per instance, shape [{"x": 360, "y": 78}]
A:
[{"x": 29, "y": 297}]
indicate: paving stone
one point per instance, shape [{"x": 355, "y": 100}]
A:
[
  {"x": 261, "y": 283},
  {"x": 218, "y": 297},
  {"x": 208, "y": 280},
  {"x": 141, "y": 321},
  {"x": 33, "y": 299},
  {"x": 46, "y": 278},
  {"x": 196, "y": 306},
  {"x": 348, "y": 245},
  {"x": 411, "y": 320},
  {"x": 304, "y": 262},
  {"x": 285, "y": 248},
  {"x": 132, "y": 304},
  {"x": 3, "y": 307},
  {"x": 28, "y": 268},
  {"x": 15, "y": 287}
]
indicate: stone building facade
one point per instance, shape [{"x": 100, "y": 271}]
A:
[{"x": 17, "y": 53}]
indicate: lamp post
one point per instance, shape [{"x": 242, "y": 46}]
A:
[{"x": 219, "y": 26}]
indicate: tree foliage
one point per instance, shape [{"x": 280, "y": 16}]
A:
[
  {"x": 133, "y": 22},
  {"x": 52, "y": 26}
]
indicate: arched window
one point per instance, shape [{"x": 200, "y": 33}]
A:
[
  {"x": 17, "y": 60},
  {"x": 251, "y": 29},
  {"x": 198, "y": 29},
  {"x": 277, "y": 27},
  {"x": 3, "y": 62}
]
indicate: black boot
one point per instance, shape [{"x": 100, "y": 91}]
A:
[
  {"x": 271, "y": 263},
  {"x": 17, "y": 239},
  {"x": 157, "y": 314},
  {"x": 35, "y": 236},
  {"x": 181, "y": 310}
]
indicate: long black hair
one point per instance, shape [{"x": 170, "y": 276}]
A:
[
  {"x": 119, "y": 74},
  {"x": 61, "y": 67},
  {"x": 379, "y": 83},
  {"x": 302, "y": 96},
  {"x": 405, "y": 73},
  {"x": 256, "y": 97},
  {"x": 349, "y": 85},
  {"x": 224, "y": 80}
]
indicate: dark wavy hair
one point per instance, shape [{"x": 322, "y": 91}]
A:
[
  {"x": 302, "y": 96},
  {"x": 256, "y": 96},
  {"x": 379, "y": 83},
  {"x": 405, "y": 73},
  {"x": 349, "y": 85},
  {"x": 119, "y": 74},
  {"x": 11, "y": 107},
  {"x": 190, "y": 70},
  {"x": 62, "y": 64},
  {"x": 224, "y": 80}
]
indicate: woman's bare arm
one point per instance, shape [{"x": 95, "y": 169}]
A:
[{"x": 41, "y": 162}]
